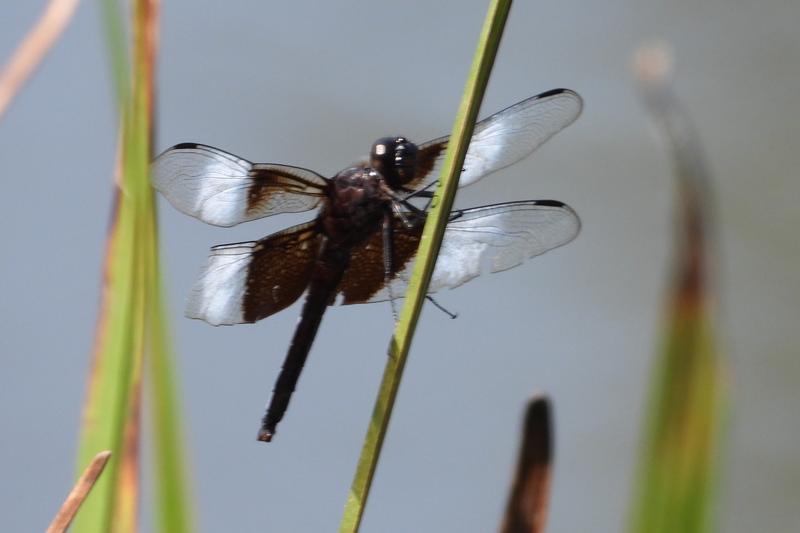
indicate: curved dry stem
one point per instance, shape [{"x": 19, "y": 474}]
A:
[
  {"x": 79, "y": 493},
  {"x": 33, "y": 48}
]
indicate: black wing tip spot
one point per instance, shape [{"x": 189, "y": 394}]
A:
[
  {"x": 553, "y": 92},
  {"x": 556, "y": 92},
  {"x": 251, "y": 245},
  {"x": 551, "y": 203},
  {"x": 180, "y": 146},
  {"x": 186, "y": 146}
]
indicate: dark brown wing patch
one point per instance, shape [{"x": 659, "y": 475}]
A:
[
  {"x": 428, "y": 156},
  {"x": 364, "y": 278},
  {"x": 283, "y": 188},
  {"x": 280, "y": 270}
]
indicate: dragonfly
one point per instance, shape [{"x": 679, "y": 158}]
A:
[{"x": 361, "y": 245}]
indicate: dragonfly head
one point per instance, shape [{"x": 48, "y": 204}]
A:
[{"x": 395, "y": 158}]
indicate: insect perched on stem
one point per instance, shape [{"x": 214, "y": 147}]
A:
[{"x": 361, "y": 246}]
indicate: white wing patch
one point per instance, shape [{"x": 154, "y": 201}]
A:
[
  {"x": 218, "y": 294},
  {"x": 205, "y": 183},
  {"x": 512, "y": 134},
  {"x": 496, "y": 238},
  {"x": 515, "y": 132},
  {"x": 224, "y": 190}
]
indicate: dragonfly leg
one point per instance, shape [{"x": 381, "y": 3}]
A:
[
  {"x": 441, "y": 308},
  {"x": 424, "y": 192}
]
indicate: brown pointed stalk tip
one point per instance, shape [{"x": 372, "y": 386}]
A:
[
  {"x": 33, "y": 49},
  {"x": 526, "y": 511},
  {"x": 79, "y": 493}
]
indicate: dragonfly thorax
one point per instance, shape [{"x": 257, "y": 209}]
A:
[{"x": 357, "y": 203}]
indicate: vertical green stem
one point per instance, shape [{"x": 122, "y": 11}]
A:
[{"x": 426, "y": 259}]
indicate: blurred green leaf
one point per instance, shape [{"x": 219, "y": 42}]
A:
[
  {"x": 131, "y": 325},
  {"x": 173, "y": 498},
  {"x": 676, "y": 486}
]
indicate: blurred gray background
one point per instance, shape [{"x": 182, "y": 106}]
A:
[{"x": 313, "y": 84}]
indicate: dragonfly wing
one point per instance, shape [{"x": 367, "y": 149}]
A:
[
  {"x": 245, "y": 282},
  {"x": 479, "y": 240},
  {"x": 224, "y": 190},
  {"x": 504, "y": 138}
]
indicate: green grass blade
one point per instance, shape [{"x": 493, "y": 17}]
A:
[
  {"x": 173, "y": 509},
  {"x": 676, "y": 485},
  {"x": 426, "y": 259},
  {"x": 117, "y": 50},
  {"x": 173, "y": 499},
  {"x": 131, "y": 324},
  {"x": 112, "y": 377}
]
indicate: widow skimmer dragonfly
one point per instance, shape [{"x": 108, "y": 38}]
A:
[{"x": 361, "y": 245}]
